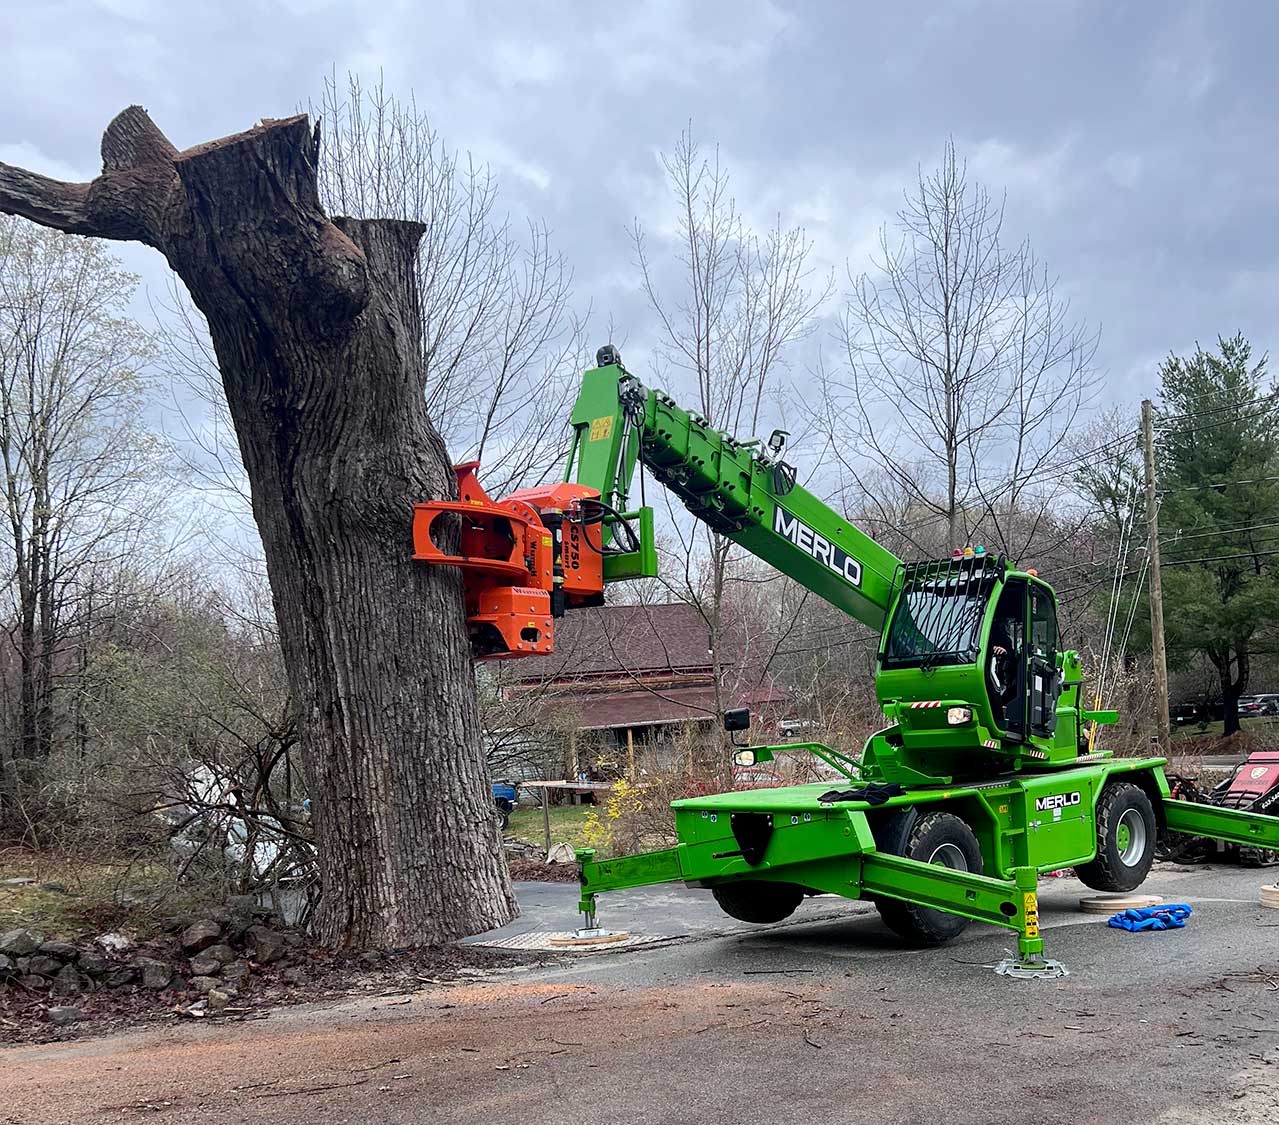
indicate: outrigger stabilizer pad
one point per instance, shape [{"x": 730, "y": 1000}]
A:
[
  {"x": 1038, "y": 969},
  {"x": 1270, "y": 896},
  {"x": 584, "y": 938},
  {"x": 1112, "y": 904}
]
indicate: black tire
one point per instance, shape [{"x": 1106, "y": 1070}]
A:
[
  {"x": 932, "y": 838},
  {"x": 503, "y": 819},
  {"x": 758, "y": 901},
  {"x": 1257, "y": 857},
  {"x": 1126, "y": 837}
]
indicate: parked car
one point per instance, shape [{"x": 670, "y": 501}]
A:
[
  {"x": 1265, "y": 704},
  {"x": 1188, "y": 714}
]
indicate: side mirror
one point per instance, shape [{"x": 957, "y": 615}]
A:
[
  {"x": 744, "y": 759},
  {"x": 739, "y": 718}
]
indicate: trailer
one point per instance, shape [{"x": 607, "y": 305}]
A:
[{"x": 989, "y": 772}]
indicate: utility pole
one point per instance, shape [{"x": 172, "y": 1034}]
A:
[{"x": 1156, "y": 583}]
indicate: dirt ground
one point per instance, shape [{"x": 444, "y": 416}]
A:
[{"x": 826, "y": 1020}]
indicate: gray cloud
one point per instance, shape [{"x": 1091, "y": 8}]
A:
[{"x": 1134, "y": 141}]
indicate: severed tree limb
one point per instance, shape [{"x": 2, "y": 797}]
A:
[{"x": 261, "y": 184}]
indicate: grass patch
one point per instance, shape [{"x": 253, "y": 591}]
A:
[
  {"x": 1259, "y": 724},
  {"x": 567, "y": 824},
  {"x": 72, "y": 896}
]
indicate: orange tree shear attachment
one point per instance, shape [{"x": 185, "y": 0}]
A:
[{"x": 519, "y": 568}]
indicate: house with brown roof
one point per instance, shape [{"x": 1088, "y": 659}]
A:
[{"x": 628, "y": 678}]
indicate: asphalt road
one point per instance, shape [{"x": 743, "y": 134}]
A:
[{"x": 823, "y": 1019}]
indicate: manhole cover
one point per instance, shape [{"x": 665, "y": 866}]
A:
[{"x": 545, "y": 940}]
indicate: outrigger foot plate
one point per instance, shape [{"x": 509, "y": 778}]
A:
[
  {"x": 1038, "y": 969},
  {"x": 595, "y": 935}
]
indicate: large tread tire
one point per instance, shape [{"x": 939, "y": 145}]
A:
[
  {"x": 758, "y": 901},
  {"x": 925, "y": 837},
  {"x": 1120, "y": 802}
]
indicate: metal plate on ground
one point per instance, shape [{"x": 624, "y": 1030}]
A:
[
  {"x": 1113, "y": 904},
  {"x": 542, "y": 941}
]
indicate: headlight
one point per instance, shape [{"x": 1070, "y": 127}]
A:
[{"x": 958, "y": 716}]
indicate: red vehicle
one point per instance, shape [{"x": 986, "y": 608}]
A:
[{"x": 1254, "y": 787}]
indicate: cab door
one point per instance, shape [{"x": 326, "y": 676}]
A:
[{"x": 1043, "y": 680}]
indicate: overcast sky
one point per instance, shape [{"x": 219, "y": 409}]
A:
[{"x": 1135, "y": 140}]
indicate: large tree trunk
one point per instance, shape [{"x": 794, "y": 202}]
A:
[
  {"x": 1233, "y": 666},
  {"x": 315, "y": 326}
]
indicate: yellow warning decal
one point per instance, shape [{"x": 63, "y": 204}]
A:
[
  {"x": 546, "y": 540},
  {"x": 1032, "y": 914},
  {"x": 602, "y": 428}
]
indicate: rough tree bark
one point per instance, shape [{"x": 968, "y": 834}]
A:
[{"x": 315, "y": 326}]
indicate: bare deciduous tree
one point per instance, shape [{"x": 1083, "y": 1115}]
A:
[
  {"x": 965, "y": 372},
  {"x": 78, "y": 468},
  {"x": 741, "y": 299},
  {"x": 499, "y": 345}
]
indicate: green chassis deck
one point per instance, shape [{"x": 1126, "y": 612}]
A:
[{"x": 1025, "y": 825}]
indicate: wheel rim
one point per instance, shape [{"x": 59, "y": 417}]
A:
[
  {"x": 949, "y": 855},
  {"x": 1130, "y": 837}
]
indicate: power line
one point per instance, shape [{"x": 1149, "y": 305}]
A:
[
  {"x": 1236, "y": 405},
  {"x": 1222, "y": 558},
  {"x": 1224, "y": 484},
  {"x": 1233, "y": 420},
  {"x": 1180, "y": 535}
]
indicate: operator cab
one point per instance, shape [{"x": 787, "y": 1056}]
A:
[{"x": 944, "y": 619}]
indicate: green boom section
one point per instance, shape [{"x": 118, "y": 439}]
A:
[
  {"x": 1214, "y": 823},
  {"x": 731, "y": 485}
]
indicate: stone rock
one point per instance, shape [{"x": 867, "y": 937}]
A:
[
  {"x": 33, "y": 982},
  {"x": 222, "y": 953},
  {"x": 236, "y": 973},
  {"x": 95, "y": 964},
  {"x": 70, "y": 980},
  {"x": 295, "y": 976},
  {"x": 41, "y": 965},
  {"x": 64, "y": 1016},
  {"x": 8, "y": 966},
  {"x": 63, "y": 950},
  {"x": 205, "y": 966},
  {"x": 18, "y": 943},
  {"x": 561, "y": 853},
  {"x": 54, "y": 888},
  {"x": 122, "y": 977},
  {"x": 17, "y": 881},
  {"x": 200, "y": 935},
  {"x": 155, "y": 974},
  {"x": 116, "y": 943},
  {"x": 241, "y": 904},
  {"x": 268, "y": 945},
  {"x": 175, "y": 923},
  {"x": 218, "y": 999},
  {"x": 203, "y": 984}
]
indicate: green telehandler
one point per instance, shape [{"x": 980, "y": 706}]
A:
[{"x": 982, "y": 778}]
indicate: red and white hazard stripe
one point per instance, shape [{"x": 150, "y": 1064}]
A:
[{"x": 922, "y": 703}]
